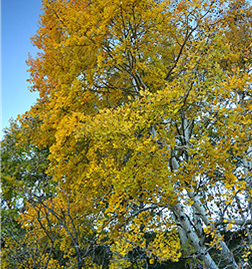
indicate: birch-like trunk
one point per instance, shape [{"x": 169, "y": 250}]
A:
[
  {"x": 194, "y": 230},
  {"x": 184, "y": 222}
]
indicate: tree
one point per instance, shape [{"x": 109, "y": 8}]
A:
[
  {"x": 34, "y": 221},
  {"x": 145, "y": 107},
  {"x": 22, "y": 176}
]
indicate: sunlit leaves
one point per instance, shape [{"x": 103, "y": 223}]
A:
[{"x": 145, "y": 113}]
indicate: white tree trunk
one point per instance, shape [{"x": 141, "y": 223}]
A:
[{"x": 183, "y": 220}]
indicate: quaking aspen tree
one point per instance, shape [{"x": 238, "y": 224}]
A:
[{"x": 145, "y": 109}]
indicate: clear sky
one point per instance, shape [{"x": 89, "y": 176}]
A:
[{"x": 19, "y": 21}]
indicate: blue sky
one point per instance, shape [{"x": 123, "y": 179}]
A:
[{"x": 19, "y": 21}]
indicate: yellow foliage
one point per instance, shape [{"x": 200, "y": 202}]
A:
[{"x": 143, "y": 105}]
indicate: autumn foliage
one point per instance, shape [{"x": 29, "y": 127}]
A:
[{"x": 138, "y": 151}]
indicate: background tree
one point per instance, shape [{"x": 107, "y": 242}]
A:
[
  {"x": 22, "y": 176},
  {"x": 39, "y": 228}
]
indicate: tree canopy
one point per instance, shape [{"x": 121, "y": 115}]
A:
[{"x": 138, "y": 151}]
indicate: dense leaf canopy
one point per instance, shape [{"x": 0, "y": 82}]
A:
[{"x": 138, "y": 150}]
